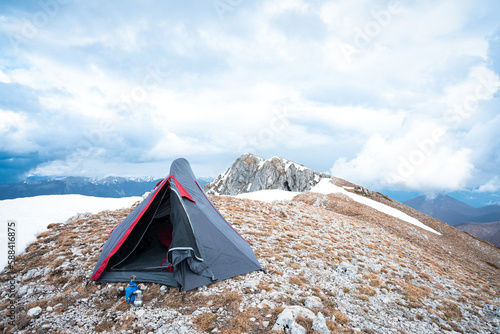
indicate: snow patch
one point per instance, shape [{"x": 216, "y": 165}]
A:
[
  {"x": 262, "y": 162},
  {"x": 33, "y": 214},
  {"x": 326, "y": 187},
  {"x": 270, "y": 195}
]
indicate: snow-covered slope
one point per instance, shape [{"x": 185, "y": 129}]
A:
[
  {"x": 327, "y": 187},
  {"x": 270, "y": 196},
  {"x": 252, "y": 173},
  {"x": 33, "y": 214}
]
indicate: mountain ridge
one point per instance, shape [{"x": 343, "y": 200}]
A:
[
  {"x": 489, "y": 232},
  {"x": 251, "y": 173},
  {"x": 110, "y": 186},
  {"x": 453, "y": 211},
  {"x": 104, "y": 187}
]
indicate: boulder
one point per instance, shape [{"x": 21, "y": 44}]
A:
[
  {"x": 319, "y": 324},
  {"x": 313, "y": 302},
  {"x": 22, "y": 291},
  {"x": 286, "y": 320},
  {"x": 35, "y": 311}
]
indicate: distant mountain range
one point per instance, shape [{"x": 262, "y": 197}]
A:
[
  {"x": 102, "y": 187},
  {"x": 486, "y": 231},
  {"x": 453, "y": 211},
  {"x": 483, "y": 223}
]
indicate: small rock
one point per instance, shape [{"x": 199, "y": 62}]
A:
[
  {"x": 50, "y": 309},
  {"x": 267, "y": 303},
  {"x": 287, "y": 319},
  {"x": 265, "y": 324},
  {"x": 35, "y": 311},
  {"x": 252, "y": 285},
  {"x": 30, "y": 273},
  {"x": 295, "y": 328},
  {"x": 140, "y": 313},
  {"x": 65, "y": 265},
  {"x": 76, "y": 251},
  {"x": 44, "y": 272},
  {"x": 22, "y": 291},
  {"x": 319, "y": 324},
  {"x": 313, "y": 302}
]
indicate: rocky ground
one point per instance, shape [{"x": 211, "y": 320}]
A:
[{"x": 332, "y": 265}]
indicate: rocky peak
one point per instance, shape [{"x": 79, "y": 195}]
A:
[{"x": 252, "y": 173}]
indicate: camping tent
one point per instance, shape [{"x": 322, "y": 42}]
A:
[{"x": 175, "y": 237}]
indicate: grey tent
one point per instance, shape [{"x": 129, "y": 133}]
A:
[{"x": 176, "y": 237}]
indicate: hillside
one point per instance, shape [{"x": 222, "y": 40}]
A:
[
  {"x": 363, "y": 270},
  {"x": 489, "y": 232}
]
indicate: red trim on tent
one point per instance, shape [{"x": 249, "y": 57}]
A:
[
  {"x": 169, "y": 267},
  {"x": 124, "y": 237},
  {"x": 113, "y": 229},
  {"x": 183, "y": 192},
  {"x": 209, "y": 201}
]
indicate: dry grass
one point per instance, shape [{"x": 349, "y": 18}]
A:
[
  {"x": 425, "y": 276},
  {"x": 376, "y": 283},
  {"x": 299, "y": 280},
  {"x": 450, "y": 310},
  {"x": 205, "y": 322},
  {"x": 366, "y": 290},
  {"x": 341, "y": 317}
]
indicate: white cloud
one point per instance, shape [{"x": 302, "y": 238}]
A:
[
  {"x": 4, "y": 77},
  {"x": 15, "y": 131},
  {"x": 176, "y": 80},
  {"x": 353, "y": 118},
  {"x": 463, "y": 98},
  {"x": 492, "y": 185},
  {"x": 421, "y": 158}
]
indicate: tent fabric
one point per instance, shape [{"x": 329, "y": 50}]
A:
[{"x": 176, "y": 237}]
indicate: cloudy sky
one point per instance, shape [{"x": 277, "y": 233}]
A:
[{"x": 388, "y": 94}]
